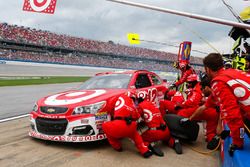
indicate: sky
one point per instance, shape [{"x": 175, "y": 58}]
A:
[{"x": 104, "y": 21}]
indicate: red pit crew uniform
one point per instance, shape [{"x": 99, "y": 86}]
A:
[
  {"x": 119, "y": 128},
  {"x": 184, "y": 76},
  {"x": 169, "y": 105},
  {"x": 209, "y": 115},
  {"x": 231, "y": 90},
  {"x": 153, "y": 120}
]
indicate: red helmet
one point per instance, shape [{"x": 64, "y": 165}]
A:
[
  {"x": 192, "y": 77},
  {"x": 142, "y": 94},
  {"x": 182, "y": 65}
]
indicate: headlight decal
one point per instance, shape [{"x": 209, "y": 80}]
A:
[{"x": 89, "y": 109}]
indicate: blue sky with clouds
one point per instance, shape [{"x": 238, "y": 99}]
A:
[{"x": 103, "y": 20}]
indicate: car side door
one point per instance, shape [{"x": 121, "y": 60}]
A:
[
  {"x": 159, "y": 85},
  {"x": 144, "y": 83}
]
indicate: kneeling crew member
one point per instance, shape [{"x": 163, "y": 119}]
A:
[
  {"x": 157, "y": 128},
  {"x": 124, "y": 125}
]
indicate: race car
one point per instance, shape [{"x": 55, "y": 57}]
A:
[{"x": 78, "y": 115}]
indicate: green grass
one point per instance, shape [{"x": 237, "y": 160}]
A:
[{"x": 17, "y": 81}]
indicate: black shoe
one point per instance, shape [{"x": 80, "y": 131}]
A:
[
  {"x": 232, "y": 148},
  {"x": 177, "y": 146},
  {"x": 156, "y": 150},
  {"x": 211, "y": 145},
  {"x": 224, "y": 134},
  {"x": 147, "y": 154}
]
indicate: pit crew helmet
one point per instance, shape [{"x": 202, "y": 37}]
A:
[{"x": 182, "y": 65}]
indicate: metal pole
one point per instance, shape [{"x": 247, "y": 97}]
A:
[{"x": 194, "y": 16}]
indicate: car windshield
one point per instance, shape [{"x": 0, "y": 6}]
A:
[
  {"x": 117, "y": 81},
  {"x": 169, "y": 76}
]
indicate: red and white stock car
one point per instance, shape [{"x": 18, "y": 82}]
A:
[{"x": 77, "y": 115}]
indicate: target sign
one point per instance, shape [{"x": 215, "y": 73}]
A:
[{"x": 41, "y": 6}]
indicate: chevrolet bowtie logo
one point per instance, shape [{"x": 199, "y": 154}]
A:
[{"x": 50, "y": 110}]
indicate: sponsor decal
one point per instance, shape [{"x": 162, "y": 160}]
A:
[
  {"x": 142, "y": 94},
  {"x": 147, "y": 115},
  {"x": 51, "y": 110},
  {"x": 52, "y": 116},
  {"x": 119, "y": 103},
  {"x": 101, "y": 113},
  {"x": 67, "y": 138},
  {"x": 240, "y": 90},
  {"x": 102, "y": 117}
]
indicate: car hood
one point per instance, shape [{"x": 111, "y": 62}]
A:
[{"x": 76, "y": 98}]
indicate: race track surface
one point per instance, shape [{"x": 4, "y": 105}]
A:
[
  {"x": 17, "y": 149},
  {"x": 18, "y": 100}
]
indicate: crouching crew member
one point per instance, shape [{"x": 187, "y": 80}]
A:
[
  {"x": 186, "y": 70},
  {"x": 124, "y": 125},
  {"x": 171, "y": 99},
  {"x": 157, "y": 128},
  {"x": 194, "y": 100}
]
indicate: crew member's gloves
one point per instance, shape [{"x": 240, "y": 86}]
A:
[
  {"x": 211, "y": 145},
  {"x": 217, "y": 108},
  {"x": 172, "y": 86},
  {"x": 232, "y": 148},
  {"x": 163, "y": 126},
  {"x": 224, "y": 134},
  {"x": 185, "y": 121}
]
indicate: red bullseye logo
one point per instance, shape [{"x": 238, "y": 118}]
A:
[
  {"x": 119, "y": 103},
  {"x": 147, "y": 115},
  {"x": 240, "y": 90},
  {"x": 73, "y": 97},
  {"x": 39, "y": 5},
  {"x": 44, "y": 6},
  {"x": 142, "y": 94}
]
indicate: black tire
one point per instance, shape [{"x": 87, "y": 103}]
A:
[{"x": 188, "y": 132}]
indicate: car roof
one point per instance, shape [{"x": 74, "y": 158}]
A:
[{"x": 122, "y": 72}]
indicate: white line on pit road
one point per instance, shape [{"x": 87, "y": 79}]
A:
[{"x": 13, "y": 118}]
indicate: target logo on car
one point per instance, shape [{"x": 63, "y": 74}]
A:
[{"x": 41, "y": 6}]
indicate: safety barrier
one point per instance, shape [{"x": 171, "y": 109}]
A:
[{"x": 241, "y": 158}]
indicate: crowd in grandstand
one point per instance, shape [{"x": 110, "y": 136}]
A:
[
  {"x": 26, "y": 35},
  {"x": 82, "y": 59}
]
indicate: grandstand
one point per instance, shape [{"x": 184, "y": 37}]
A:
[{"x": 27, "y": 44}]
